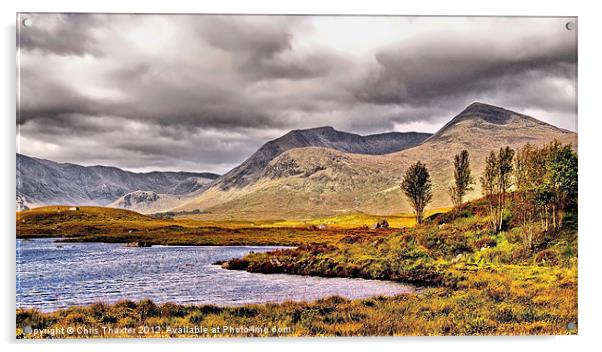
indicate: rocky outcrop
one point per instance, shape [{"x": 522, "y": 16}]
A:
[{"x": 137, "y": 197}]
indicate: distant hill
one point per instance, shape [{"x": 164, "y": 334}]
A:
[
  {"x": 45, "y": 182},
  {"x": 317, "y": 181}
]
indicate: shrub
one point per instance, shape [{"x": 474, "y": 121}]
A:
[
  {"x": 547, "y": 257},
  {"x": 76, "y": 318},
  {"x": 484, "y": 242},
  {"x": 30, "y": 318},
  {"x": 514, "y": 235},
  {"x": 146, "y": 308},
  {"x": 196, "y": 318},
  {"x": 244, "y": 312},
  {"x": 445, "y": 243},
  {"x": 172, "y": 310},
  {"x": 210, "y": 309},
  {"x": 100, "y": 312},
  {"x": 448, "y": 217}
]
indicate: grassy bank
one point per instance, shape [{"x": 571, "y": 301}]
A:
[
  {"x": 430, "y": 254},
  {"x": 97, "y": 224}
]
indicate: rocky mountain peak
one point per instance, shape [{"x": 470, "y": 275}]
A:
[
  {"x": 481, "y": 115},
  {"x": 490, "y": 113}
]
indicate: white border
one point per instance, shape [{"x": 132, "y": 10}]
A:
[{"x": 590, "y": 115}]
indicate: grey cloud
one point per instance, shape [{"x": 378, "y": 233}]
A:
[
  {"x": 61, "y": 34},
  {"x": 224, "y": 85},
  {"x": 430, "y": 69},
  {"x": 185, "y": 92},
  {"x": 145, "y": 146},
  {"x": 262, "y": 46}
]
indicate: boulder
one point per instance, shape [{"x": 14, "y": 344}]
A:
[{"x": 381, "y": 224}]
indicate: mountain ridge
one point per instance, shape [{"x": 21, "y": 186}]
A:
[
  {"x": 45, "y": 182},
  {"x": 325, "y": 136}
]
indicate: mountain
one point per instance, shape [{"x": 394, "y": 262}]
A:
[
  {"x": 45, "y": 182},
  {"x": 327, "y": 137},
  {"x": 314, "y": 181}
]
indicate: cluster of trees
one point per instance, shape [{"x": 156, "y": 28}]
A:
[
  {"x": 539, "y": 181},
  {"x": 545, "y": 184},
  {"x": 496, "y": 182}
]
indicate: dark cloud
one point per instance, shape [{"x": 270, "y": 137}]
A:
[
  {"x": 202, "y": 93},
  {"x": 426, "y": 70},
  {"x": 61, "y": 34}
]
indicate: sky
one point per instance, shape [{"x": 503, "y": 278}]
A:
[{"x": 203, "y": 92}]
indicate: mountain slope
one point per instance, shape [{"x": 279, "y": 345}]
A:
[
  {"x": 250, "y": 170},
  {"x": 42, "y": 182},
  {"x": 311, "y": 182}
]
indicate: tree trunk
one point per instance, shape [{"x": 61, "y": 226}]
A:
[
  {"x": 500, "y": 212},
  {"x": 554, "y": 225}
]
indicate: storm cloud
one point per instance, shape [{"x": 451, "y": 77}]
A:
[{"x": 202, "y": 93}]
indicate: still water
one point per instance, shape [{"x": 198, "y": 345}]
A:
[{"x": 54, "y": 275}]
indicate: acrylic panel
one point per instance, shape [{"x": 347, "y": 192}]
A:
[{"x": 273, "y": 176}]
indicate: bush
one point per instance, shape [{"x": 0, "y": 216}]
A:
[
  {"x": 445, "y": 243},
  {"x": 172, "y": 310},
  {"x": 485, "y": 242},
  {"x": 448, "y": 217},
  {"x": 146, "y": 308},
  {"x": 76, "y": 319},
  {"x": 210, "y": 309},
  {"x": 196, "y": 318},
  {"x": 30, "y": 318},
  {"x": 244, "y": 312},
  {"x": 515, "y": 235},
  {"x": 496, "y": 255},
  {"x": 100, "y": 312},
  {"x": 547, "y": 257}
]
